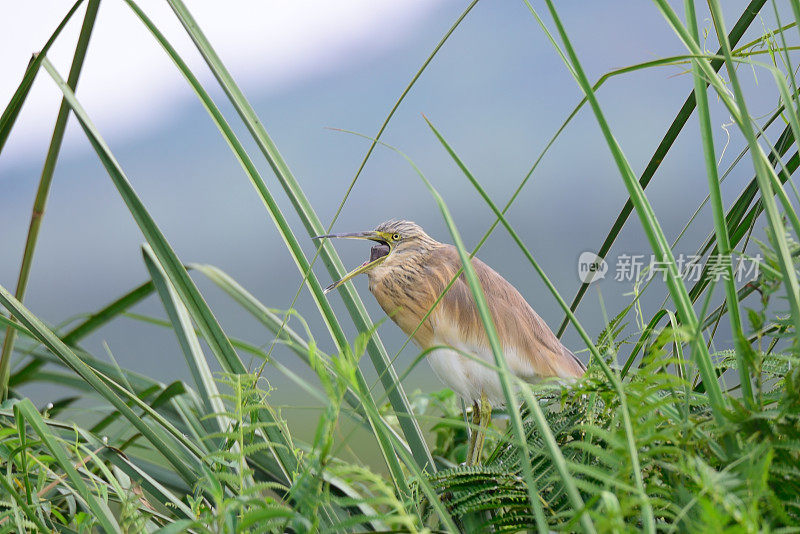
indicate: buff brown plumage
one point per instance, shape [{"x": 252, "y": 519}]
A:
[{"x": 408, "y": 270}]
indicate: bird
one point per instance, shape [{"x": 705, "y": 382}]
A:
[{"x": 408, "y": 270}]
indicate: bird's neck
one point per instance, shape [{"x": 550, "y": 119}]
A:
[
  {"x": 411, "y": 255},
  {"x": 405, "y": 289}
]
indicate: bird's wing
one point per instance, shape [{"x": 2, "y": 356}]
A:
[{"x": 531, "y": 349}]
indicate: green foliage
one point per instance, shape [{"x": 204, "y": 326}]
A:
[
  {"x": 678, "y": 438},
  {"x": 681, "y": 453}
]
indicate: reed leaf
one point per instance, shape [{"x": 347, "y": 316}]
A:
[
  {"x": 353, "y": 303},
  {"x": 24, "y": 410},
  {"x": 212, "y": 332},
  {"x": 720, "y": 228},
  {"x": 43, "y": 190},
  {"x": 190, "y": 344},
  {"x": 745, "y": 20}
]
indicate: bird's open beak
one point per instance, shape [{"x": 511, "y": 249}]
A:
[{"x": 377, "y": 255}]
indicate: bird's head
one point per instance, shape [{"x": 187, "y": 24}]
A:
[{"x": 392, "y": 237}]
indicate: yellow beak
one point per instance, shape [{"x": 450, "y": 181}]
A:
[{"x": 367, "y": 265}]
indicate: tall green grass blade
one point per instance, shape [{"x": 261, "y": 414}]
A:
[
  {"x": 745, "y": 20},
  {"x": 555, "y": 453},
  {"x": 43, "y": 190},
  {"x": 23, "y": 452},
  {"x": 721, "y": 229},
  {"x": 654, "y": 234},
  {"x": 644, "y": 337},
  {"x": 497, "y": 351},
  {"x": 382, "y": 433},
  {"x": 8, "y": 323},
  {"x": 506, "y": 379},
  {"x": 57, "y": 347},
  {"x": 378, "y": 354},
  {"x": 396, "y": 105},
  {"x": 249, "y": 349},
  {"x": 150, "y": 484},
  {"x": 190, "y": 345},
  {"x": 658, "y": 243},
  {"x": 764, "y": 173},
  {"x": 277, "y": 326},
  {"x": 796, "y": 13},
  {"x": 785, "y": 48},
  {"x": 9, "y": 116},
  {"x": 249, "y": 167},
  {"x": 108, "y": 312},
  {"x": 739, "y": 219},
  {"x": 25, "y": 410},
  {"x": 257, "y": 309},
  {"x": 218, "y": 342},
  {"x": 552, "y": 447},
  {"x": 314, "y": 227},
  {"x": 20, "y": 501}
]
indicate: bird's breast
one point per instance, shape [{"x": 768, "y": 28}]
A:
[{"x": 405, "y": 295}]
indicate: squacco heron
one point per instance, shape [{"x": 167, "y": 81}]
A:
[{"x": 408, "y": 270}]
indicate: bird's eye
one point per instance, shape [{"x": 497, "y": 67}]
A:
[{"x": 396, "y": 237}]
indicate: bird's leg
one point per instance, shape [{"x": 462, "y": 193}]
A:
[
  {"x": 473, "y": 431},
  {"x": 484, "y": 421}
]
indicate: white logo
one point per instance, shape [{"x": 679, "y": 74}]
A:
[{"x": 591, "y": 267}]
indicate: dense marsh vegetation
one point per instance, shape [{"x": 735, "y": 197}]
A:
[{"x": 668, "y": 431}]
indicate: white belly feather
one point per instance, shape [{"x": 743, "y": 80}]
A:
[{"x": 466, "y": 376}]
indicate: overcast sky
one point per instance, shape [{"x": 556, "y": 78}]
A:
[{"x": 129, "y": 85}]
